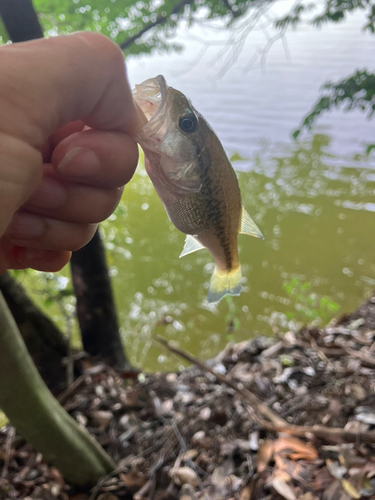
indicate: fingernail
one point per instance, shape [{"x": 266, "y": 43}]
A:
[
  {"x": 25, "y": 226},
  {"x": 79, "y": 161},
  {"x": 50, "y": 194}
]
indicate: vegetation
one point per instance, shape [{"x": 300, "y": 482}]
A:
[{"x": 308, "y": 306}]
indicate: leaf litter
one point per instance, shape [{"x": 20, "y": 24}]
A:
[{"x": 268, "y": 419}]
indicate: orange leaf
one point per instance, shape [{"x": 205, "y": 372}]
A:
[
  {"x": 295, "y": 448},
  {"x": 264, "y": 454}
]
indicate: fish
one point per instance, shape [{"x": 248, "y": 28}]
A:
[{"x": 195, "y": 180}]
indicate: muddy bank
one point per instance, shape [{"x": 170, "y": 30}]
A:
[{"x": 292, "y": 417}]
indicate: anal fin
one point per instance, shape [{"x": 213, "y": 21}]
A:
[
  {"x": 191, "y": 245},
  {"x": 248, "y": 226}
]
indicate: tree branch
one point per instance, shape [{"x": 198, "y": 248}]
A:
[
  {"x": 38, "y": 417},
  {"x": 20, "y": 20},
  {"x": 159, "y": 20}
]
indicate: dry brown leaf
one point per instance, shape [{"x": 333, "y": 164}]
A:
[
  {"x": 295, "y": 448},
  {"x": 307, "y": 496},
  {"x": 349, "y": 489},
  {"x": 187, "y": 492},
  {"x": 189, "y": 455},
  {"x": 246, "y": 493},
  {"x": 333, "y": 491},
  {"x": 264, "y": 454},
  {"x": 133, "y": 479},
  {"x": 183, "y": 475},
  {"x": 292, "y": 468},
  {"x": 102, "y": 417},
  {"x": 283, "y": 488},
  {"x": 335, "y": 469}
]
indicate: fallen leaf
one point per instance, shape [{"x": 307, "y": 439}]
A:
[
  {"x": 333, "y": 491},
  {"x": 103, "y": 418},
  {"x": 283, "y": 488},
  {"x": 133, "y": 479},
  {"x": 264, "y": 454},
  {"x": 189, "y": 455},
  {"x": 183, "y": 475},
  {"x": 295, "y": 448},
  {"x": 307, "y": 496},
  {"x": 349, "y": 489},
  {"x": 335, "y": 469}
]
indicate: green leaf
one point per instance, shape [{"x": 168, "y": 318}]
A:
[
  {"x": 237, "y": 157},
  {"x": 369, "y": 148}
]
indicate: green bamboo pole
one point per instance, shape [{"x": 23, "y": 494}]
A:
[{"x": 39, "y": 418}]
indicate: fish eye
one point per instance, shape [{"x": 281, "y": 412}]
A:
[{"x": 188, "y": 123}]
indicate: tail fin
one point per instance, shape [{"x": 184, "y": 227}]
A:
[{"x": 224, "y": 282}]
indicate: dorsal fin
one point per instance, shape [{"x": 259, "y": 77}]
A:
[
  {"x": 248, "y": 226},
  {"x": 191, "y": 245}
]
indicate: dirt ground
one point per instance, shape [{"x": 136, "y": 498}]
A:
[{"x": 268, "y": 419}]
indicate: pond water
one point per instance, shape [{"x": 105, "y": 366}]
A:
[{"x": 313, "y": 199}]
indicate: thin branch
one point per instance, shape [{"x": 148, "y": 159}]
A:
[
  {"x": 251, "y": 398},
  {"x": 334, "y": 434},
  {"x": 159, "y": 20}
]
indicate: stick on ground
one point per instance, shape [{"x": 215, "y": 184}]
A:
[{"x": 273, "y": 422}]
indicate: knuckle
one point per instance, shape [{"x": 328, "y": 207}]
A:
[
  {"x": 100, "y": 44},
  {"x": 85, "y": 234}
]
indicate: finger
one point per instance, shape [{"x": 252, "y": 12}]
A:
[
  {"x": 54, "y": 139},
  {"x": 103, "y": 159},
  {"x": 20, "y": 174},
  {"x": 72, "y": 202},
  {"x": 34, "y": 231},
  {"x": 13, "y": 257},
  {"x": 48, "y": 261},
  {"x": 89, "y": 83}
]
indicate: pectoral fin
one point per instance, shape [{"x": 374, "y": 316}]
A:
[
  {"x": 191, "y": 245},
  {"x": 248, "y": 226}
]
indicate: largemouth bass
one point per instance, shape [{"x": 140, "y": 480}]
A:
[{"x": 195, "y": 181}]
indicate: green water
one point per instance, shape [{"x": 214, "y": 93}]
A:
[{"x": 316, "y": 212}]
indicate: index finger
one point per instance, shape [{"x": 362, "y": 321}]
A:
[{"x": 49, "y": 83}]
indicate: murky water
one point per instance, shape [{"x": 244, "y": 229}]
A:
[{"x": 313, "y": 200}]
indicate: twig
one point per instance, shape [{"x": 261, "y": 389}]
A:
[
  {"x": 159, "y": 20},
  {"x": 185, "y": 450},
  {"x": 369, "y": 360},
  {"x": 143, "y": 491},
  {"x": 251, "y": 398},
  {"x": 334, "y": 434},
  {"x": 8, "y": 450},
  {"x": 71, "y": 389}
]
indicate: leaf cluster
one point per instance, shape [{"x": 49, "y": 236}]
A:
[
  {"x": 332, "y": 11},
  {"x": 355, "y": 92},
  {"x": 308, "y": 305},
  {"x": 137, "y": 26}
]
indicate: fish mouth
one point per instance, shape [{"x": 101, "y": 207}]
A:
[{"x": 153, "y": 98}]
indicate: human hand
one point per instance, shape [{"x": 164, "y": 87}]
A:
[{"x": 67, "y": 115}]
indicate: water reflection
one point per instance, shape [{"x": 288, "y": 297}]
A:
[{"x": 315, "y": 210}]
